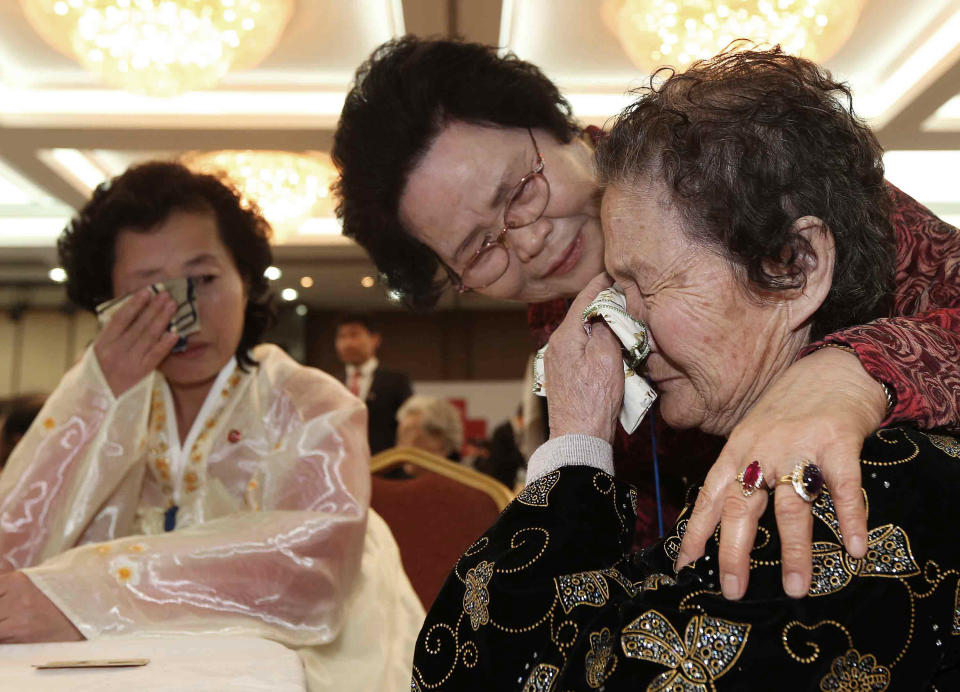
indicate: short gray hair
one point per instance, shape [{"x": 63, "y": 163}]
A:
[{"x": 440, "y": 417}]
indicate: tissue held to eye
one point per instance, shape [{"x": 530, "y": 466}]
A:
[
  {"x": 610, "y": 306},
  {"x": 186, "y": 319}
]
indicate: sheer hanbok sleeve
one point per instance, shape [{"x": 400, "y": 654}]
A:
[
  {"x": 81, "y": 448},
  {"x": 281, "y": 566},
  {"x": 916, "y": 352}
]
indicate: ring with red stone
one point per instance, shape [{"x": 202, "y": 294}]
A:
[
  {"x": 750, "y": 478},
  {"x": 806, "y": 479}
]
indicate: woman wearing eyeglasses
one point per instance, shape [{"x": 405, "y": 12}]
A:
[{"x": 466, "y": 169}]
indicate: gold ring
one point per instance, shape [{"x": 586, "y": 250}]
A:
[{"x": 806, "y": 479}]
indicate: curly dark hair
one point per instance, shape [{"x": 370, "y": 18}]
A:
[
  {"x": 747, "y": 143},
  {"x": 142, "y": 198},
  {"x": 403, "y": 96}
]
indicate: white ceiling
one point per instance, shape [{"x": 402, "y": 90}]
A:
[{"x": 903, "y": 61}]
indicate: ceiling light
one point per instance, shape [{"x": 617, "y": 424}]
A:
[
  {"x": 76, "y": 166},
  {"x": 678, "y": 32},
  {"x": 929, "y": 176},
  {"x": 367, "y": 282},
  {"x": 57, "y": 275},
  {"x": 31, "y": 231},
  {"x": 272, "y": 273},
  {"x": 289, "y": 294},
  {"x": 302, "y": 310},
  {"x": 306, "y": 281},
  {"x": 161, "y": 47},
  {"x": 289, "y": 187}
]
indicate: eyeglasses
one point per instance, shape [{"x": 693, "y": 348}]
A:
[{"x": 524, "y": 206}]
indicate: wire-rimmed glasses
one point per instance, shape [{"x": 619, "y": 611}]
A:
[{"x": 524, "y": 206}]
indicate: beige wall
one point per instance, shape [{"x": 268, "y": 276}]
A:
[
  {"x": 39, "y": 347},
  {"x": 445, "y": 345}
]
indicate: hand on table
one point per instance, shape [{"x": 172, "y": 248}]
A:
[
  {"x": 26, "y": 615},
  {"x": 584, "y": 373},
  {"x": 135, "y": 340},
  {"x": 820, "y": 409}
]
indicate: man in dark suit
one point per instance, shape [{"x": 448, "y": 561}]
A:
[{"x": 357, "y": 342}]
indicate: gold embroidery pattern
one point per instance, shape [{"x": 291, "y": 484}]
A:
[
  {"x": 627, "y": 585},
  {"x": 601, "y": 660},
  {"x": 537, "y": 494},
  {"x": 476, "y": 598},
  {"x": 903, "y": 438},
  {"x": 888, "y": 554},
  {"x": 852, "y": 672},
  {"x": 956, "y": 611},
  {"x": 583, "y": 588},
  {"x": 541, "y": 678},
  {"x": 159, "y": 462},
  {"x": 671, "y": 546},
  {"x": 813, "y": 646},
  {"x": 589, "y": 588},
  {"x": 946, "y": 444},
  {"x": 655, "y": 581},
  {"x": 709, "y": 648}
]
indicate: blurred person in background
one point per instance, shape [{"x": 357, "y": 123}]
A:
[
  {"x": 218, "y": 488},
  {"x": 357, "y": 341},
  {"x": 504, "y": 462},
  {"x": 432, "y": 424},
  {"x": 18, "y": 413}
]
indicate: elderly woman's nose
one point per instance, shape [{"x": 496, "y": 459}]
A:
[{"x": 528, "y": 241}]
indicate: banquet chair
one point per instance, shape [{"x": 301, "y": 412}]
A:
[{"x": 435, "y": 514}]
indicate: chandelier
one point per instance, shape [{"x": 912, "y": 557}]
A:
[
  {"x": 161, "y": 47},
  {"x": 678, "y": 32},
  {"x": 290, "y": 188}
]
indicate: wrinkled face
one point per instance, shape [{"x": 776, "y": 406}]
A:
[
  {"x": 355, "y": 344},
  {"x": 188, "y": 244},
  {"x": 714, "y": 348},
  {"x": 455, "y": 198}
]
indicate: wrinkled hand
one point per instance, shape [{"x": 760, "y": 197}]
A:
[
  {"x": 26, "y": 615},
  {"x": 584, "y": 373},
  {"x": 821, "y": 409},
  {"x": 135, "y": 340}
]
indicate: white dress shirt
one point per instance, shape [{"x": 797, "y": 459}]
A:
[{"x": 366, "y": 371}]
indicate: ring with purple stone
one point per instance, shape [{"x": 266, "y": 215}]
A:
[
  {"x": 806, "y": 479},
  {"x": 750, "y": 478}
]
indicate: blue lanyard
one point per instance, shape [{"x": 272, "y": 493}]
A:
[{"x": 656, "y": 471}]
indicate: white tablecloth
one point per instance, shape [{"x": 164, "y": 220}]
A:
[{"x": 182, "y": 664}]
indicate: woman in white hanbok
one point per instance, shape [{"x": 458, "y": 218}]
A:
[{"x": 222, "y": 489}]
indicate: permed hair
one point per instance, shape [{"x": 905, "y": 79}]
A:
[
  {"x": 747, "y": 143},
  {"x": 403, "y": 96},
  {"x": 142, "y": 198}
]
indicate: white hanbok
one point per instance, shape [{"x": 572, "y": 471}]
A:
[{"x": 258, "y": 525}]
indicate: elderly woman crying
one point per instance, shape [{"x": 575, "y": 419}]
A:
[{"x": 744, "y": 216}]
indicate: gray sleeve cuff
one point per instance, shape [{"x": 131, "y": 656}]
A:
[{"x": 570, "y": 450}]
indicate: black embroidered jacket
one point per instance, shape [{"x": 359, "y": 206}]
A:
[{"x": 551, "y": 599}]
